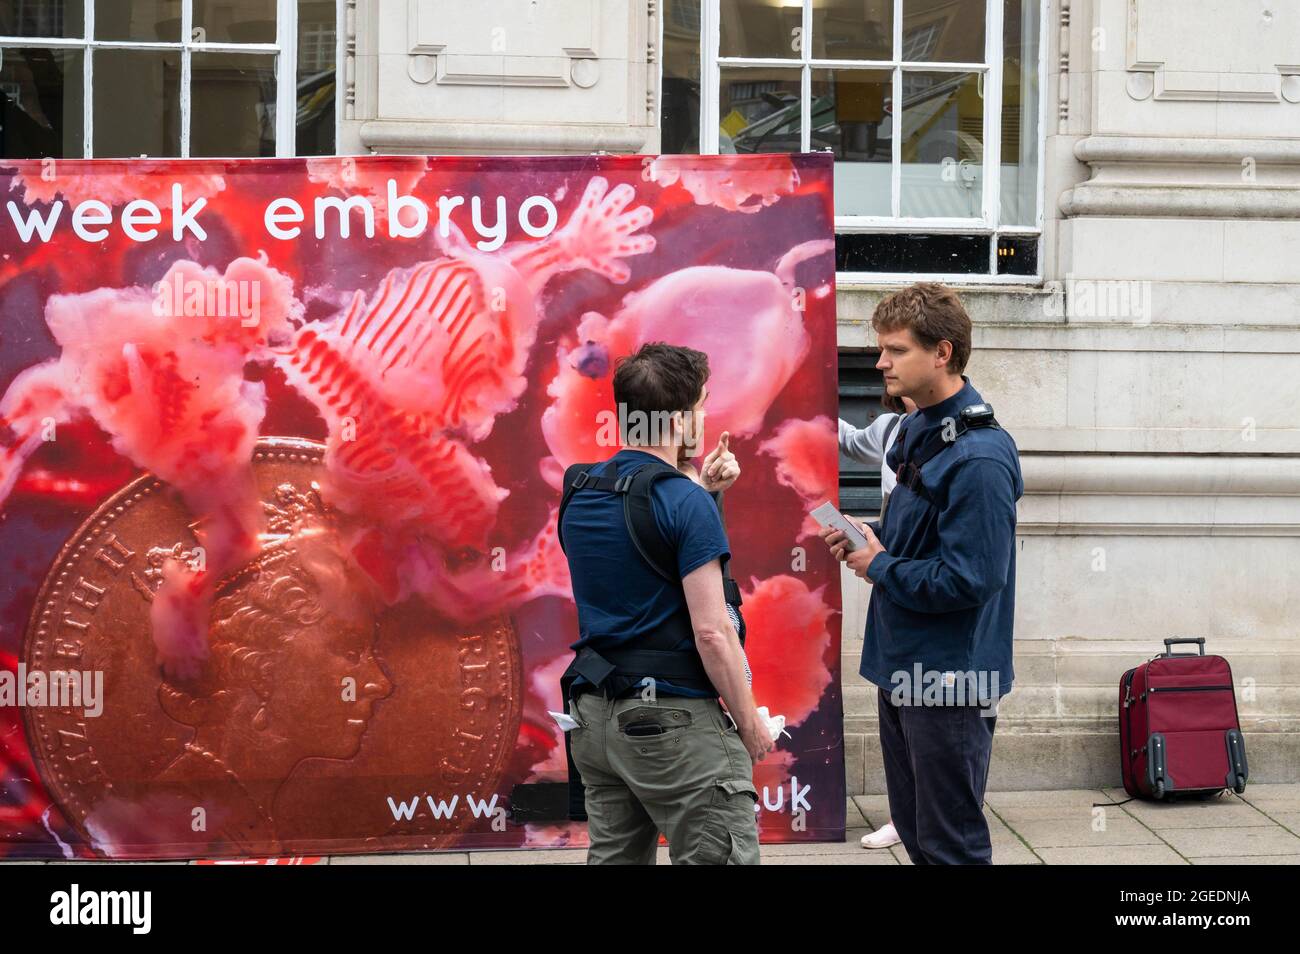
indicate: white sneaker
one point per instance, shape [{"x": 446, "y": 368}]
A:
[{"x": 882, "y": 837}]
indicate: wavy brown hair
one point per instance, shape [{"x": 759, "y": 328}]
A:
[{"x": 933, "y": 313}]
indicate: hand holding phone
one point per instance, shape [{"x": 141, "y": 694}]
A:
[{"x": 829, "y": 516}]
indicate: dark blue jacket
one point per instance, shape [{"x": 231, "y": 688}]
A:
[{"x": 944, "y": 589}]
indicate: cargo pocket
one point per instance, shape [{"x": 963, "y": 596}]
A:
[{"x": 730, "y": 832}]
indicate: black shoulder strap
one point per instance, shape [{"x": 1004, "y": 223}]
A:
[
  {"x": 909, "y": 472},
  {"x": 638, "y": 515},
  {"x": 638, "y": 510},
  {"x": 577, "y": 476},
  {"x": 889, "y": 429}
]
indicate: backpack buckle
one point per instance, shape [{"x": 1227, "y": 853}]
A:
[
  {"x": 581, "y": 480},
  {"x": 908, "y": 475},
  {"x": 623, "y": 483}
]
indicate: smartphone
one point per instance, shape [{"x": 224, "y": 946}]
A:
[
  {"x": 643, "y": 728},
  {"x": 828, "y": 515}
]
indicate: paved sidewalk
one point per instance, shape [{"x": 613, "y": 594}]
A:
[
  {"x": 1052, "y": 827},
  {"x": 1056, "y": 827}
]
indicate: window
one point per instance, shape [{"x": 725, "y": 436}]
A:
[
  {"x": 917, "y": 99},
  {"x": 108, "y": 78}
]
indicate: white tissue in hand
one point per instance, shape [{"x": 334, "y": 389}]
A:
[{"x": 775, "y": 724}]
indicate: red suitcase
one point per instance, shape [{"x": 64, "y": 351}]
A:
[{"x": 1178, "y": 727}]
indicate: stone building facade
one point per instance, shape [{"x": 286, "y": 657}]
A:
[{"x": 1149, "y": 372}]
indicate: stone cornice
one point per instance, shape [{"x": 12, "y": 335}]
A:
[
  {"x": 1096, "y": 150},
  {"x": 1156, "y": 177},
  {"x": 1160, "y": 495}
]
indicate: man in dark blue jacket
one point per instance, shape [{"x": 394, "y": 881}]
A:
[{"x": 942, "y": 563}]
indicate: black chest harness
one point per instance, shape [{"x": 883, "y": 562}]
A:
[
  {"x": 908, "y": 471},
  {"x": 655, "y": 655}
]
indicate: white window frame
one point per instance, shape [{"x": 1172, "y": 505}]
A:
[
  {"x": 711, "y": 64},
  {"x": 285, "y": 49}
]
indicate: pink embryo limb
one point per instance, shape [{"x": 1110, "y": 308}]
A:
[
  {"x": 733, "y": 189},
  {"x": 747, "y": 322},
  {"x": 161, "y": 371},
  {"x": 408, "y": 378}
]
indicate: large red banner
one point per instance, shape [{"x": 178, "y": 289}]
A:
[{"x": 280, "y": 449}]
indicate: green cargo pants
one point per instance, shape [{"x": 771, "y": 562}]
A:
[{"x": 693, "y": 782}]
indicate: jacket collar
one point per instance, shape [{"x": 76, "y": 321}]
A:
[{"x": 950, "y": 407}]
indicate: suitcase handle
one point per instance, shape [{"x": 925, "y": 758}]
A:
[{"x": 1199, "y": 641}]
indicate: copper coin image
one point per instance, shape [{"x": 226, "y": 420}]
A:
[{"x": 321, "y": 722}]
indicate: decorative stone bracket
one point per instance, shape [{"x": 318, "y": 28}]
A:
[{"x": 538, "y": 54}]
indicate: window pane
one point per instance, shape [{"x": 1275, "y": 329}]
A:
[
  {"x": 1018, "y": 255},
  {"x": 151, "y": 20},
  {"x": 942, "y": 254},
  {"x": 943, "y": 31},
  {"x": 942, "y": 151},
  {"x": 41, "y": 108},
  {"x": 47, "y": 18},
  {"x": 761, "y": 28},
  {"x": 316, "y": 78},
  {"x": 849, "y": 117},
  {"x": 1020, "y": 113},
  {"x": 679, "y": 104},
  {"x": 137, "y": 103},
  {"x": 233, "y": 21},
  {"x": 232, "y": 104},
  {"x": 759, "y": 110},
  {"x": 853, "y": 29}
]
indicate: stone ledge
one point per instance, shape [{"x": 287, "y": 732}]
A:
[
  {"x": 1270, "y": 704},
  {"x": 1061, "y": 759},
  {"x": 481, "y": 138}
]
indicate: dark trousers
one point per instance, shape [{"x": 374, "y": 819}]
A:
[{"x": 936, "y": 767}]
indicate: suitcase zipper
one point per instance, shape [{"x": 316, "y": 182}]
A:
[{"x": 1185, "y": 688}]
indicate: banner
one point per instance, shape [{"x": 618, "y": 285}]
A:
[{"x": 280, "y": 449}]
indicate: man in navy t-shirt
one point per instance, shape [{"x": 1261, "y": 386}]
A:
[{"x": 657, "y": 755}]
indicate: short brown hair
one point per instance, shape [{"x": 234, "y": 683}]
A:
[
  {"x": 660, "y": 377},
  {"x": 933, "y": 313}
]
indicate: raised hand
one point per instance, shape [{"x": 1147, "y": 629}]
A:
[{"x": 720, "y": 468}]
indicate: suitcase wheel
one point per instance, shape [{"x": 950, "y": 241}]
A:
[
  {"x": 1241, "y": 784},
  {"x": 1159, "y": 791}
]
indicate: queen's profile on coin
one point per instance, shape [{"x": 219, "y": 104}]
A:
[{"x": 291, "y": 674}]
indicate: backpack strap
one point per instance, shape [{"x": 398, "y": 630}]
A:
[
  {"x": 889, "y": 429},
  {"x": 638, "y": 515},
  {"x": 909, "y": 471},
  {"x": 730, "y": 588}
]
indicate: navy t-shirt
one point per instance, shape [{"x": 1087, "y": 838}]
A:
[{"x": 619, "y": 597}]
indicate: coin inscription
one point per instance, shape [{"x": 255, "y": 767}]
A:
[{"x": 320, "y": 721}]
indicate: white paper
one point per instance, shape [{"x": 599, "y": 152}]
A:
[
  {"x": 775, "y": 724},
  {"x": 565, "y": 722},
  {"x": 828, "y": 515}
]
